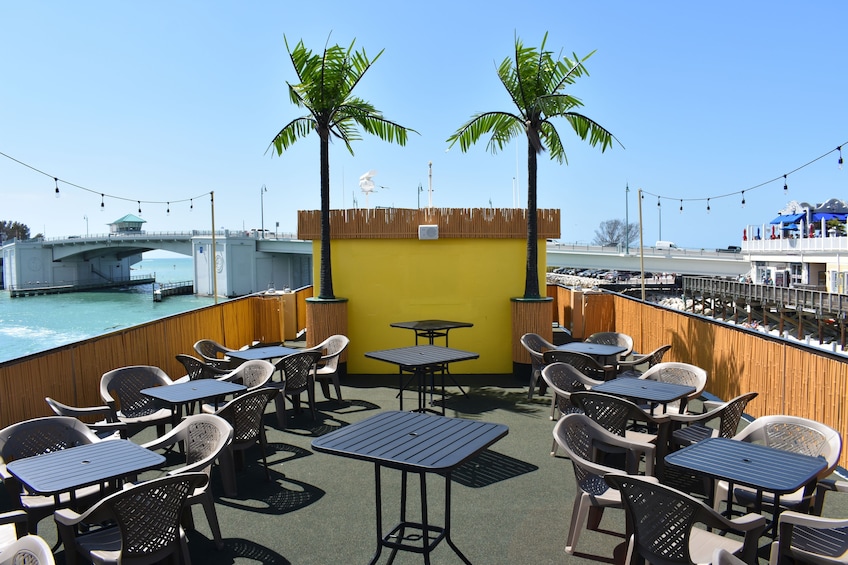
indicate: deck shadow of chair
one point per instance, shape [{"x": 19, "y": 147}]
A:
[
  {"x": 245, "y": 414},
  {"x": 36, "y": 437},
  {"x": 586, "y": 364},
  {"x": 536, "y": 345},
  {"x": 663, "y": 521},
  {"x": 204, "y": 437},
  {"x": 121, "y": 390},
  {"x": 140, "y": 524},
  {"x": 105, "y": 424},
  {"x": 297, "y": 375},
  {"x": 489, "y": 467},
  {"x": 580, "y": 438},
  {"x": 678, "y": 373},
  {"x": 28, "y": 550},
  {"x": 563, "y": 379},
  {"x": 197, "y": 369},
  {"x": 613, "y": 338},
  {"x": 328, "y": 366},
  {"x": 788, "y": 433},
  {"x": 811, "y": 538},
  {"x": 626, "y": 419},
  {"x": 253, "y": 374},
  {"x": 214, "y": 353},
  {"x": 630, "y": 368}
]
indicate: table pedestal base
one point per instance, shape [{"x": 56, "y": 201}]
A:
[{"x": 428, "y": 535}]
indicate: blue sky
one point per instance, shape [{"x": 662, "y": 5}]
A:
[{"x": 164, "y": 101}]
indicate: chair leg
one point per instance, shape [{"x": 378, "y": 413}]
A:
[
  {"x": 310, "y": 395},
  {"x": 578, "y": 515},
  {"x": 227, "y": 467},
  {"x": 280, "y": 405},
  {"x": 184, "y": 550},
  {"x": 263, "y": 443},
  {"x": 533, "y": 376},
  {"x": 212, "y": 517}
]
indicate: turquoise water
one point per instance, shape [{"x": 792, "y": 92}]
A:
[{"x": 37, "y": 323}]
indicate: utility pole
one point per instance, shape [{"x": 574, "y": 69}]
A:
[
  {"x": 86, "y": 224},
  {"x": 627, "y": 218},
  {"x": 262, "y": 192}
]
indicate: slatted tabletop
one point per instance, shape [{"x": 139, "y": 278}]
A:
[
  {"x": 421, "y": 356},
  {"x": 599, "y": 350},
  {"x": 750, "y": 464},
  {"x": 76, "y": 467},
  {"x": 645, "y": 389},
  {"x": 412, "y": 441},
  {"x": 192, "y": 391},
  {"x": 265, "y": 353}
]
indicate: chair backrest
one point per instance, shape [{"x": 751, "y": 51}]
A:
[
  {"x": 613, "y": 338},
  {"x": 204, "y": 436},
  {"x": 124, "y": 385},
  {"x": 536, "y": 345},
  {"x": 612, "y": 412},
  {"x": 564, "y": 379},
  {"x": 678, "y": 373},
  {"x": 331, "y": 349},
  {"x": 796, "y": 434},
  {"x": 586, "y": 364},
  {"x": 198, "y": 369},
  {"x": 296, "y": 369},
  {"x": 730, "y": 413},
  {"x": 579, "y": 436},
  {"x": 244, "y": 413},
  {"x": 252, "y": 374},
  {"x": 148, "y": 515},
  {"x": 100, "y": 419},
  {"x": 211, "y": 350},
  {"x": 42, "y": 435},
  {"x": 661, "y": 517},
  {"x": 28, "y": 550}
]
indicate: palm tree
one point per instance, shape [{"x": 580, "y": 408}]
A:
[
  {"x": 536, "y": 83},
  {"x": 325, "y": 86}
]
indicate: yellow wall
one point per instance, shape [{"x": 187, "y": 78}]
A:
[{"x": 398, "y": 280}]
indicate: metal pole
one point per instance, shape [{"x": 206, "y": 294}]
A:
[
  {"x": 86, "y": 225},
  {"x": 430, "y": 185},
  {"x": 627, "y": 219},
  {"x": 641, "y": 245},
  {"x": 214, "y": 250},
  {"x": 262, "y": 192},
  {"x": 659, "y": 209}
]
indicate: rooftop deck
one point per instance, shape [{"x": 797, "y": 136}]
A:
[{"x": 511, "y": 505}]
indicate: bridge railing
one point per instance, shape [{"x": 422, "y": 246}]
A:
[{"x": 188, "y": 234}]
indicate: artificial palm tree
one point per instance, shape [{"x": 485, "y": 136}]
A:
[
  {"x": 536, "y": 83},
  {"x": 325, "y": 88}
]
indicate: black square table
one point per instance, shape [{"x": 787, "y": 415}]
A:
[
  {"x": 421, "y": 360},
  {"x": 69, "y": 469},
  {"x": 179, "y": 394},
  {"x": 652, "y": 392},
  {"x": 431, "y": 329},
  {"x": 600, "y": 351},
  {"x": 762, "y": 468},
  {"x": 412, "y": 443},
  {"x": 266, "y": 352}
]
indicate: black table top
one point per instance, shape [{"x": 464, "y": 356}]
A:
[
  {"x": 267, "y": 352},
  {"x": 75, "y": 467},
  {"x": 595, "y": 349},
  {"x": 431, "y": 325},
  {"x": 412, "y": 441},
  {"x": 749, "y": 464},
  {"x": 651, "y": 391},
  {"x": 421, "y": 356},
  {"x": 191, "y": 391}
]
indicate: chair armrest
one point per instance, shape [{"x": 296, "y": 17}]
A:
[
  {"x": 810, "y": 521},
  {"x": 166, "y": 440},
  {"x": 18, "y": 518}
]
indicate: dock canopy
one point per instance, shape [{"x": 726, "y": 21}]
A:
[
  {"x": 819, "y": 216},
  {"x": 788, "y": 219}
]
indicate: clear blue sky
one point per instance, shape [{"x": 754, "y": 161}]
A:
[{"x": 163, "y": 101}]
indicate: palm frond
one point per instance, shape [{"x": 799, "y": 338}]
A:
[
  {"x": 291, "y": 132},
  {"x": 502, "y": 125}
]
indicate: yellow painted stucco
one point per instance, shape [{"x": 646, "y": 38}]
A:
[{"x": 398, "y": 280}]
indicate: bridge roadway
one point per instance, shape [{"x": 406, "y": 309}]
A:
[{"x": 685, "y": 261}]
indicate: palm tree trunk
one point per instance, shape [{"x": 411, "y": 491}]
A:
[
  {"x": 326, "y": 272},
  {"x": 531, "y": 277}
]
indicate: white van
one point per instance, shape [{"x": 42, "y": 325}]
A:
[{"x": 665, "y": 245}]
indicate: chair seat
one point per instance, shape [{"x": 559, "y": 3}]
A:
[
  {"x": 102, "y": 546},
  {"x": 162, "y": 414},
  {"x": 38, "y": 501},
  {"x": 702, "y": 544}
]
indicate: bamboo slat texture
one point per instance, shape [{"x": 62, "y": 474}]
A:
[
  {"x": 402, "y": 223},
  {"x": 532, "y": 317}
]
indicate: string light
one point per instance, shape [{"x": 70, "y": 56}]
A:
[
  {"x": 681, "y": 205},
  {"x": 57, "y": 186},
  {"x": 743, "y": 198},
  {"x": 168, "y": 211},
  {"x": 139, "y": 206},
  {"x": 708, "y": 205},
  {"x": 102, "y": 204},
  {"x": 785, "y": 186},
  {"x": 658, "y": 201},
  {"x": 191, "y": 208},
  {"x": 839, "y": 161}
]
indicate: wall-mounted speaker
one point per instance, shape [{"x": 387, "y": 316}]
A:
[{"x": 428, "y": 232}]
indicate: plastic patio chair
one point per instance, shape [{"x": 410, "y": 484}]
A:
[
  {"x": 198, "y": 369},
  {"x": 252, "y": 374},
  {"x": 536, "y": 345},
  {"x": 214, "y": 353},
  {"x": 244, "y": 413},
  {"x": 204, "y": 437},
  {"x": 664, "y": 525},
  {"x": 586, "y": 364},
  {"x": 692, "y": 428},
  {"x": 328, "y": 366},
  {"x": 563, "y": 379},
  {"x": 297, "y": 372},
  {"x": 678, "y": 373},
  {"x": 613, "y": 338},
  {"x": 13, "y": 525},
  {"x": 121, "y": 390},
  {"x": 137, "y": 525},
  {"x": 35, "y": 437},
  {"x": 106, "y": 428},
  {"x": 789, "y": 433},
  {"x": 28, "y": 550},
  {"x": 580, "y": 438},
  {"x": 629, "y": 368}
]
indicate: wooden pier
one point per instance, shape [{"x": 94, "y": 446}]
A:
[
  {"x": 801, "y": 312},
  {"x": 160, "y": 291},
  {"x": 34, "y": 290}
]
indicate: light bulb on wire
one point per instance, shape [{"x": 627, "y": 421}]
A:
[
  {"x": 785, "y": 186},
  {"x": 839, "y": 161},
  {"x": 743, "y": 198},
  {"x": 708, "y": 205},
  {"x": 102, "y": 205},
  {"x": 681, "y": 205},
  {"x": 139, "y": 206},
  {"x": 168, "y": 211},
  {"x": 57, "y": 186}
]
